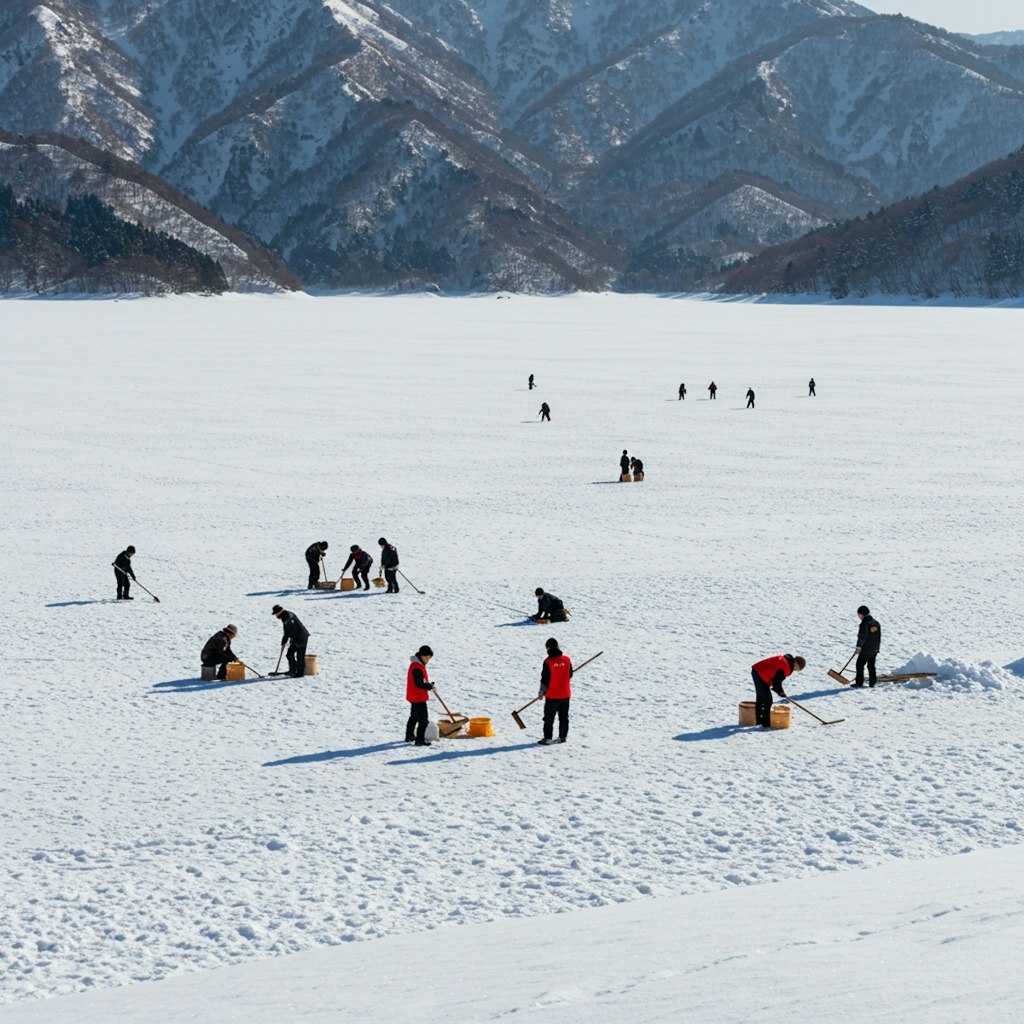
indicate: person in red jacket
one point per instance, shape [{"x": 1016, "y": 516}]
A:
[
  {"x": 417, "y": 693},
  {"x": 768, "y": 676},
  {"x": 556, "y": 691}
]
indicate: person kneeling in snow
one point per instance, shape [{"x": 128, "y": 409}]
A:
[
  {"x": 556, "y": 691},
  {"x": 417, "y": 693},
  {"x": 549, "y": 608},
  {"x": 768, "y": 676},
  {"x": 217, "y": 650}
]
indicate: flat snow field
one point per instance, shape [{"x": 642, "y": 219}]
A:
[{"x": 153, "y": 824}]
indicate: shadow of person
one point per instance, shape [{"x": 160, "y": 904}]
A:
[{"x": 333, "y": 755}]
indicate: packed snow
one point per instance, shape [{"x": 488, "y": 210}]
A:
[{"x": 155, "y": 824}]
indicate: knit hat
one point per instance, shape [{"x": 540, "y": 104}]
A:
[
  {"x": 355, "y": 547},
  {"x": 233, "y": 630},
  {"x": 425, "y": 652},
  {"x": 863, "y": 610},
  {"x": 323, "y": 544},
  {"x": 130, "y": 549},
  {"x": 799, "y": 664},
  {"x": 538, "y": 592},
  {"x": 382, "y": 540},
  {"x": 550, "y": 642},
  {"x": 277, "y": 609}
]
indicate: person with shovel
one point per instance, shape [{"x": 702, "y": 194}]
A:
[
  {"x": 417, "y": 693},
  {"x": 124, "y": 573},
  {"x": 768, "y": 675},
  {"x": 217, "y": 650},
  {"x": 360, "y": 561},
  {"x": 549, "y": 607},
  {"x": 545, "y": 412},
  {"x": 556, "y": 690},
  {"x": 314, "y": 556},
  {"x": 389, "y": 564},
  {"x": 297, "y": 637},
  {"x": 869, "y": 642}
]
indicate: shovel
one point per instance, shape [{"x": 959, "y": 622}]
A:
[
  {"x": 518, "y": 711},
  {"x": 277, "y": 668},
  {"x": 123, "y": 573},
  {"x": 838, "y": 676},
  {"x": 410, "y": 582},
  {"x": 455, "y": 720},
  {"x": 835, "y": 721}
]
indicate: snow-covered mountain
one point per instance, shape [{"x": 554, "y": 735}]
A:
[{"x": 515, "y": 143}]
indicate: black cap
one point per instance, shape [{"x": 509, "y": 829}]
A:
[
  {"x": 382, "y": 540},
  {"x": 323, "y": 544},
  {"x": 130, "y": 549},
  {"x": 550, "y": 642},
  {"x": 355, "y": 547},
  {"x": 277, "y": 609},
  {"x": 863, "y": 610},
  {"x": 538, "y": 591},
  {"x": 425, "y": 652}
]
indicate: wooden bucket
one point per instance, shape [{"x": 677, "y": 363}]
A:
[
  {"x": 311, "y": 669},
  {"x": 326, "y": 585},
  {"x": 379, "y": 581},
  {"x": 780, "y": 716},
  {"x": 235, "y": 671},
  {"x": 480, "y": 727},
  {"x": 347, "y": 583},
  {"x": 626, "y": 478},
  {"x": 208, "y": 672},
  {"x": 637, "y": 477},
  {"x": 748, "y": 712}
]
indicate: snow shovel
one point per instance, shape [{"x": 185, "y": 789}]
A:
[
  {"x": 277, "y": 668},
  {"x": 325, "y": 583},
  {"x": 516, "y": 713},
  {"x": 838, "y": 676},
  {"x": 834, "y": 721},
  {"x": 459, "y": 720},
  {"x": 410, "y": 582},
  {"x": 123, "y": 573}
]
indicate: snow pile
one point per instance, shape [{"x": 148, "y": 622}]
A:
[{"x": 963, "y": 676}]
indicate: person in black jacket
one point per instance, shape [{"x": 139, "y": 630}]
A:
[
  {"x": 869, "y": 642},
  {"x": 712, "y": 391},
  {"x": 124, "y": 573},
  {"x": 549, "y": 608},
  {"x": 417, "y": 693},
  {"x": 217, "y": 650},
  {"x": 811, "y": 393},
  {"x": 637, "y": 466},
  {"x": 682, "y": 392},
  {"x": 545, "y": 412},
  {"x": 624, "y": 462},
  {"x": 750, "y": 398},
  {"x": 360, "y": 561},
  {"x": 297, "y": 637},
  {"x": 530, "y": 382},
  {"x": 314, "y": 556},
  {"x": 389, "y": 564}
]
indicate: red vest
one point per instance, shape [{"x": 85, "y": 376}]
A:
[
  {"x": 561, "y": 672},
  {"x": 766, "y": 669},
  {"x": 413, "y": 693}
]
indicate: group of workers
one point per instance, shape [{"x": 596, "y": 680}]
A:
[
  {"x": 360, "y": 560},
  {"x": 217, "y": 652},
  {"x": 713, "y": 392}
]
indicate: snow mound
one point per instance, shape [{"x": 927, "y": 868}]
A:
[{"x": 963, "y": 676}]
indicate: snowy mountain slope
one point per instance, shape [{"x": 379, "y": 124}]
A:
[
  {"x": 785, "y": 953},
  {"x": 596, "y": 122},
  {"x": 156, "y": 825}
]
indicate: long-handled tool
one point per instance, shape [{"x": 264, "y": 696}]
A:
[
  {"x": 277, "y": 668},
  {"x": 456, "y": 720},
  {"x": 835, "y": 721},
  {"x": 410, "y": 582},
  {"x": 249, "y": 668},
  {"x": 518, "y": 711},
  {"x": 838, "y": 676},
  {"x": 123, "y": 573}
]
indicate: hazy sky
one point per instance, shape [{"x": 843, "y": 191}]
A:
[{"x": 957, "y": 15}]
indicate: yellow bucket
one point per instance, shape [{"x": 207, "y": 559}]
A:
[
  {"x": 347, "y": 583},
  {"x": 480, "y": 727},
  {"x": 748, "y": 713},
  {"x": 780, "y": 716},
  {"x": 234, "y": 671},
  {"x": 626, "y": 478}
]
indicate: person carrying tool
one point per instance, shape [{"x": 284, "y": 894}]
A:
[
  {"x": 297, "y": 637},
  {"x": 811, "y": 393},
  {"x": 556, "y": 691},
  {"x": 549, "y": 608},
  {"x": 417, "y": 693},
  {"x": 360, "y": 561},
  {"x": 217, "y": 650},
  {"x": 389, "y": 564},
  {"x": 750, "y": 398},
  {"x": 712, "y": 390},
  {"x": 869, "y": 642},
  {"x": 124, "y": 573},
  {"x": 682, "y": 392},
  {"x": 545, "y": 412},
  {"x": 768, "y": 676},
  {"x": 624, "y": 462},
  {"x": 314, "y": 556}
]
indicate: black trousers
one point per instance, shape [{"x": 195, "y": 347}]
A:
[
  {"x": 314, "y": 572},
  {"x": 712, "y": 394},
  {"x": 559, "y": 707},
  {"x": 358, "y": 574},
  {"x": 222, "y": 671},
  {"x": 391, "y": 575},
  {"x": 124, "y": 583},
  {"x": 812, "y": 392},
  {"x": 297, "y": 658},
  {"x": 545, "y": 416},
  {"x": 750, "y": 403},
  {"x": 762, "y": 700},
  {"x": 416, "y": 727},
  {"x": 866, "y": 658}
]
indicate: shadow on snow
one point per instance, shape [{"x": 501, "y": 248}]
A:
[
  {"x": 194, "y": 685},
  {"x": 333, "y": 755},
  {"x": 451, "y": 755},
  {"x": 69, "y": 604}
]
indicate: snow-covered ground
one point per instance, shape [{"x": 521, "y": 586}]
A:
[{"x": 153, "y": 824}]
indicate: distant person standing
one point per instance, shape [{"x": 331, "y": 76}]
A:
[
  {"x": 389, "y": 564},
  {"x": 624, "y": 463},
  {"x": 314, "y": 556},
  {"x": 532, "y": 385},
  {"x": 869, "y": 642},
  {"x": 360, "y": 561},
  {"x": 768, "y": 676},
  {"x": 750, "y": 398},
  {"x": 124, "y": 573},
  {"x": 417, "y": 693},
  {"x": 545, "y": 412},
  {"x": 712, "y": 390},
  {"x": 682, "y": 392},
  {"x": 556, "y": 690},
  {"x": 297, "y": 637},
  {"x": 811, "y": 393}
]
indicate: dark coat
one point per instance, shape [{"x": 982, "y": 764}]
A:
[
  {"x": 624, "y": 463},
  {"x": 869, "y": 636},
  {"x": 294, "y": 630},
  {"x": 124, "y": 561},
  {"x": 218, "y": 647},
  {"x": 548, "y": 603},
  {"x": 389, "y": 557},
  {"x": 362, "y": 559},
  {"x": 313, "y": 553}
]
